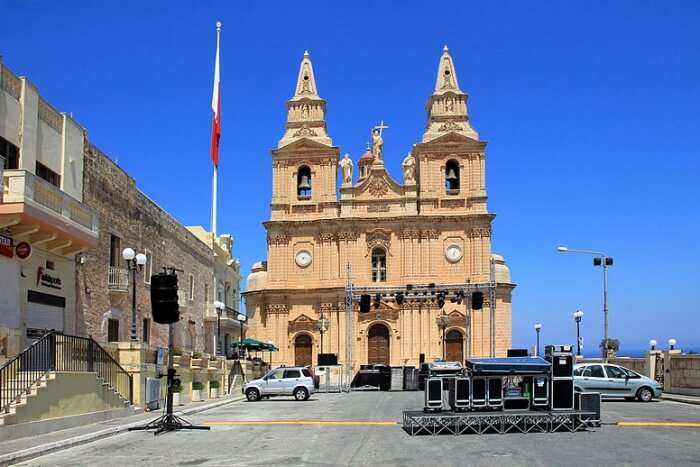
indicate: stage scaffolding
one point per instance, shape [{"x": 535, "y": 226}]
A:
[
  {"x": 421, "y": 293},
  {"x": 458, "y": 423}
]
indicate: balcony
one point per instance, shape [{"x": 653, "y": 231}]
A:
[
  {"x": 117, "y": 278},
  {"x": 32, "y": 207},
  {"x": 228, "y": 313}
]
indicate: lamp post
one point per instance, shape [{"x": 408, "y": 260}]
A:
[
  {"x": 600, "y": 259},
  {"x": 578, "y": 314},
  {"x": 652, "y": 345},
  {"x": 241, "y": 319},
  {"x": 538, "y": 328},
  {"x": 672, "y": 344},
  {"x": 442, "y": 321},
  {"x": 322, "y": 324},
  {"x": 134, "y": 262},
  {"x": 219, "y": 310}
]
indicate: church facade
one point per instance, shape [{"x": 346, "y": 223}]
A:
[{"x": 433, "y": 228}]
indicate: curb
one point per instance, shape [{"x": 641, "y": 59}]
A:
[
  {"x": 42, "y": 450},
  {"x": 681, "y": 398}
]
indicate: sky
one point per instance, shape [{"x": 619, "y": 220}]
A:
[{"x": 590, "y": 110}]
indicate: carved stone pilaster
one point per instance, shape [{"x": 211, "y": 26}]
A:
[
  {"x": 278, "y": 238},
  {"x": 276, "y": 308}
]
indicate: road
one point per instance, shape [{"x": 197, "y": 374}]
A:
[{"x": 364, "y": 429}]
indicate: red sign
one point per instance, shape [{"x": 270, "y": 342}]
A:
[
  {"x": 23, "y": 250},
  {"x": 6, "y": 246}
]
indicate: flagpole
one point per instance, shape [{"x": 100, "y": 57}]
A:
[{"x": 215, "y": 101}]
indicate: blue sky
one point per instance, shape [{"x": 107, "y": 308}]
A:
[{"x": 590, "y": 110}]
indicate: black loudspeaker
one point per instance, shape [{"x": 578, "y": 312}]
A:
[
  {"x": 588, "y": 402},
  {"x": 495, "y": 392},
  {"x": 164, "y": 306},
  {"x": 562, "y": 366},
  {"x": 517, "y": 353},
  {"x": 478, "y": 392},
  {"x": 477, "y": 300},
  {"x": 562, "y": 394},
  {"x": 608, "y": 261},
  {"x": 433, "y": 394},
  {"x": 399, "y": 298},
  {"x": 597, "y": 261},
  {"x": 327, "y": 359},
  {"x": 365, "y": 303},
  {"x": 459, "y": 393},
  {"x": 421, "y": 358}
]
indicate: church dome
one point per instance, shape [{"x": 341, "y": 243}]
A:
[
  {"x": 366, "y": 157},
  {"x": 257, "y": 279},
  {"x": 501, "y": 270}
]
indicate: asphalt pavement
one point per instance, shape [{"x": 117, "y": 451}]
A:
[{"x": 364, "y": 428}]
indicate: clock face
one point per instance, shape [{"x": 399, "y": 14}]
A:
[
  {"x": 303, "y": 258},
  {"x": 453, "y": 253}
]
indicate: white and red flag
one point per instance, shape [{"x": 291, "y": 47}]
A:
[{"x": 216, "y": 105}]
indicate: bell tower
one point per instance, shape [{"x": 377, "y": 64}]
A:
[
  {"x": 450, "y": 157},
  {"x": 304, "y": 164}
]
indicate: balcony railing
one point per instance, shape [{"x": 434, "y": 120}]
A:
[
  {"x": 228, "y": 313},
  {"x": 117, "y": 278},
  {"x": 20, "y": 186}
]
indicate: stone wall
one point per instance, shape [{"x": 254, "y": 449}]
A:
[
  {"x": 140, "y": 224},
  {"x": 682, "y": 373}
]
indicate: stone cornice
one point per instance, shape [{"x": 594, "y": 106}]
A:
[{"x": 343, "y": 223}]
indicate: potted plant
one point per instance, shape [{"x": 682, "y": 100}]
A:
[
  {"x": 214, "y": 385},
  {"x": 197, "y": 387},
  {"x": 177, "y": 389}
]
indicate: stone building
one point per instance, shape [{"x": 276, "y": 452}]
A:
[
  {"x": 44, "y": 220},
  {"x": 129, "y": 218},
  {"x": 226, "y": 293},
  {"x": 434, "y": 228}
]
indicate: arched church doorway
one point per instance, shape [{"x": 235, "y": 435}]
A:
[
  {"x": 302, "y": 350},
  {"x": 378, "y": 345},
  {"x": 454, "y": 348}
]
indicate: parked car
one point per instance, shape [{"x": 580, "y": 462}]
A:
[
  {"x": 292, "y": 381},
  {"x": 615, "y": 381}
]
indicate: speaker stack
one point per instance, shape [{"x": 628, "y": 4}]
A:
[
  {"x": 459, "y": 394},
  {"x": 562, "y": 382},
  {"x": 433, "y": 394}
]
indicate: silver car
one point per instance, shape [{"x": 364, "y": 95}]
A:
[
  {"x": 615, "y": 381},
  {"x": 292, "y": 381}
]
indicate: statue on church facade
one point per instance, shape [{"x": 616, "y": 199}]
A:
[
  {"x": 409, "y": 169},
  {"x": 346, "y": 166},
  {"x": 377, "y": 144}
]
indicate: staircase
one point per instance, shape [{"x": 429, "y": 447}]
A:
[{"x": 61, "y": 375}]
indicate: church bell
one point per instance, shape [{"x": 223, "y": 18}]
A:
[
  {"x": 451, "y": 176},
  {"x": 304, "y": 184}
]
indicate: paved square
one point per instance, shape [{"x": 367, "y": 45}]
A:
[{"x": 364, "y": 429}]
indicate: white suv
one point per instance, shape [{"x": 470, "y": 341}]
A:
[{"x": 293, "y": 381}]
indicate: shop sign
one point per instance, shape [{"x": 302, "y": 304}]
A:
[
  {"x": 23, "y": 250},
  {"x": 47, "y": 280},
  {"x": 6, "y": 246}
]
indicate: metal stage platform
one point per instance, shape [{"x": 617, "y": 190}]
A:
[{"x": 417, "y": 422}]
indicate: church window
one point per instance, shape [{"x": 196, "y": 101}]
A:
[
  {"x": 378, "y": 265},
  {"x": 452, "y": 176},
  {"x": 304, "y": 182}
]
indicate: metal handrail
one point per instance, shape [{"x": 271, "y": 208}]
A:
[
  {"x": 20, "y": 373},
  {"x": 56, "y": 351}
]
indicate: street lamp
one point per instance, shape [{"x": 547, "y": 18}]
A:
[
  {"x": 601, "y": 259},
  {"x": 538, "y": 328},
  {"x": 322, "y": 324},
  {"x": 219, "y": 310},
  {"x": 578, "y": 314},
  {"x": 442, "y": 321},
  {"x": 672, "y": 344},
  {"x": 652, "y": 345},
  {"x": 134, "y": 262},
  {"x": 241, "y": 319}
]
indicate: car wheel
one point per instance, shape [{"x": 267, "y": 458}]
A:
[
  {"x": 301, "y": 394},
  {"x": 252, "y": 395},
  {"x": 645, "y": 394}
]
